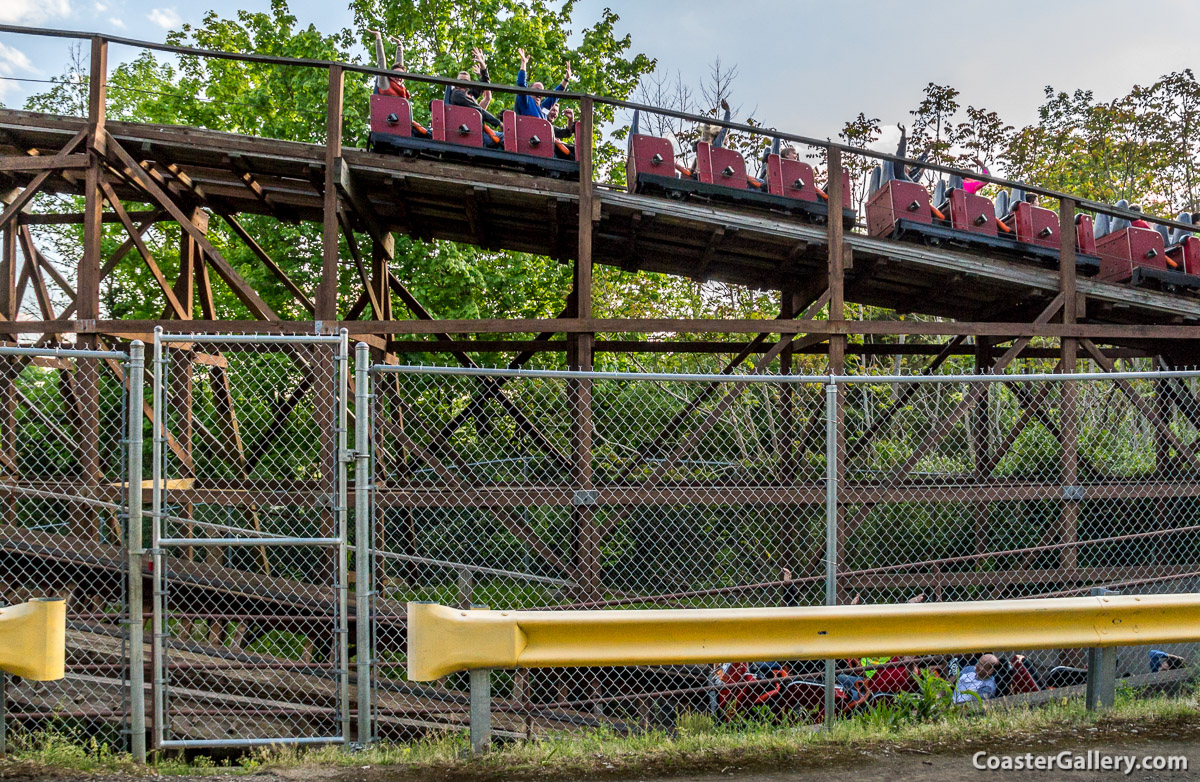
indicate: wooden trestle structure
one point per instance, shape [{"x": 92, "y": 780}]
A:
[{"x": 990, "y": 306}]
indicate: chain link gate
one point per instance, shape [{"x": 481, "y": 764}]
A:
[
  {"x": 64, "y": 461},
  {"x": 250, "y": 643}
]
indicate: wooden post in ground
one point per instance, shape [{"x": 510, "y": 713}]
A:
[
  {"x": 86, "y": 377},
  {"x": 1068, "y": 426}
]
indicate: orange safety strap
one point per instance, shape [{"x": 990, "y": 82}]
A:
[
  {"x": 419, "y": 127},
  {"x": 491, "y": 134}
]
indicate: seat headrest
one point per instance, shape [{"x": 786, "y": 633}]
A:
[
  {"x": 1102, "y": 226},
  {"x": 956, "y": 182},
  {"x": 876, "y": 181},
  {"x": 1002, "y": 204},
  {"x": 939, "y": 192},
  {"x": 1179, "y": 234},
  {"x": 1121, "y": 223}
]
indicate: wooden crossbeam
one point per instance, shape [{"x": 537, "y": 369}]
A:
[{"x": 60, "y": 162}]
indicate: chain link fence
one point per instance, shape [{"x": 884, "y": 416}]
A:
[
  {"x": 63, "y": 417},
  {"x": 554, "y": 490}
]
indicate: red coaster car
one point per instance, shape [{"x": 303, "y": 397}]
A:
[
  {"x": 459, "y": 133},
  {"x": 720, "y": 176}
]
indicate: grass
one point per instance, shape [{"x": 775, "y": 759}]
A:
[{"x": 698, "y": 744}]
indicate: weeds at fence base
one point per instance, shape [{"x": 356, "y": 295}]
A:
[{"x": 698, "y": 743}]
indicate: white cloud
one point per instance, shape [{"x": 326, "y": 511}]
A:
[
  {"x": 117, "y": 23},
  {"x": 165, "y": 18},
  {"x": 32, "y": 11},
  {"x": 101, "y": 7},
  {"x": 12, "y": 62}
]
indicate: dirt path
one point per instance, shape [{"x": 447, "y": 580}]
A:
[{"x": 902, "y": 766}]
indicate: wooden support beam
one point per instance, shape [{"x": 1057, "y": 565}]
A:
[
  {"x": 8, "y": 274},
  {"x": 327, "y": 289},
  {"x": 40, "y": 291},
  {"x": 474, "y": 201},
  {"x": 63, "y": 284},
  {"x": 147, "y": 257},
  {"x": 1068, "y": 414},
  {"x": 88, "y": 279},
  {"x": 22, "y": 199},
  {"x": 343, "y": 181},
  {"x": 275, "y": 269},
  {"x": 242, "y": 289},
  {"x": 359, "y": 266},
  {"x": 710, "y": 249},
  {"x": 13, "y": 163},
  {"x": 77, "y": 218}
]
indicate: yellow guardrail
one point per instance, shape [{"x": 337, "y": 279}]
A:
[
  {"x": 33, "y": 639},
  {"x": 442, "y": 640}
]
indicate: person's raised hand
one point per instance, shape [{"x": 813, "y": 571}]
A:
[
  {"x": 524, "y": 58},
  {"x": 724, "y": 105},
  {"x": 376, "y": 33},
  {"x": 569, "y": 75},
  {"x": 570, "y": 116}
]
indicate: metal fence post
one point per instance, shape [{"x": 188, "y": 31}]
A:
[
  {"x": 363, "y": 556},
  {"x": 1101, "y": 670},
  {"x": 157, "y": 438},
  {"x": 831, "y": 516},
  {"x": 481, "y": 709},
  {"x": 135, "y": 553},
  {"x": 342, "y": 379}
]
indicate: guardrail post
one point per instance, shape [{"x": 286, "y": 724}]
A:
[
  {"x": 831, "y": 540},
  {"x": 1101, "y": 670},
  {"x": 135, "y": 552},
  {"x": 363, "y": 555},
  {"x": 3, "y": 715},
  {"x": 481, "y": 709}
]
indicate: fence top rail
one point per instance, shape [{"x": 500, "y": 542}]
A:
[
  {"x": 807, "y": 141},
  {"x": 63, "y": 353},
  {"x": 571, "y": 374},
  {"x": 253, "y": 339}
]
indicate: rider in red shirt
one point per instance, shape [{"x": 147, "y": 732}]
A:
[{"x": 389, "y": 85}]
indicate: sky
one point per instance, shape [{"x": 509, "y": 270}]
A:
[{"x": 805, "y": 67}]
